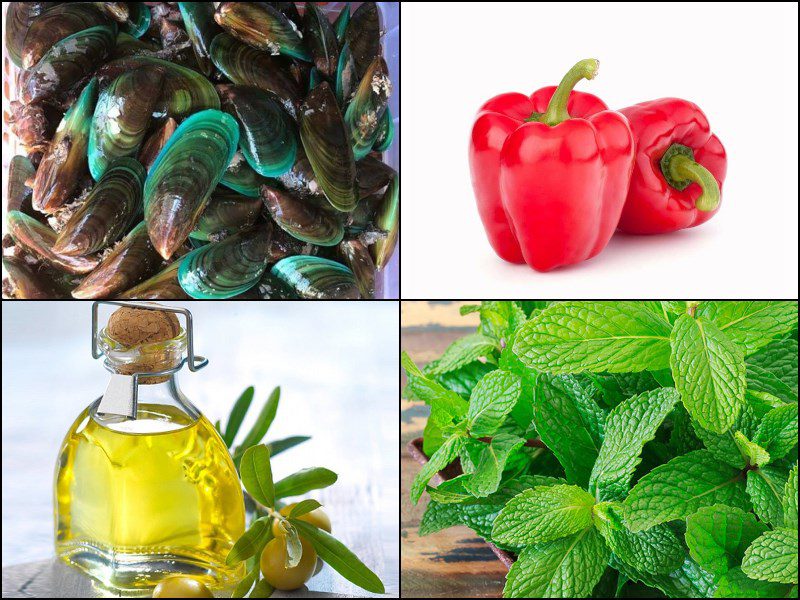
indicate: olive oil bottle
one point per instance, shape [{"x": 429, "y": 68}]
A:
[{"x": 142, "y": 496}]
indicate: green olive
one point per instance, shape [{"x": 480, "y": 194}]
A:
[
  {"x": 273, "y": 565},
  {"x": 316, "y": 517},
  {"x": 179, "y": 586}
]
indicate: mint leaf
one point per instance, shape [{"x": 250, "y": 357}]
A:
[
  {"x": 522, "y": 413},
  {"x": 569, "y": 423},
  {"x": 762, "y": 380},
  {"x": 439, "y": 516},
  {"x": 572, "y": 337},
  {"x": 569, "y": 567},
  {"x": 735, "y": 584},
  {"x": 718, "y": 536},
  {"x": 687, "y": 581},
  {"x": 446, "y": 454},
  {"x": 773, "y": 557},
  {"x": 777, "y": 432},
  {"x": 779, "y": 358},
  {"x": 751, "y": 325},
  {"x": 431, "y": 392},
  {"x": 628, "y": 428},
  {"x": 765, "y": 487},
  {"x": 499, "y": 320},
  {"x": 542, "y": 514},
  {"x": 709, "y": 373},
  {"x": 463, "y": 351},
  {"x": 789, "y": 500},
  {"x": 754, "y": 454},
  {"x": 492, "y": 399},
  {"x": 491, "y": 463},
  {"x": 462, "y": 380},
  {"x": 722, "y": 445},
  {"x": 657, "y": 550},
  {"x": 682, "y": 486}
]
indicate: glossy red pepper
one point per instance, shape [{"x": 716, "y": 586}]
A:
[
  {"x": 550, "y": 172},
  {"x": 679, "y": 169}
]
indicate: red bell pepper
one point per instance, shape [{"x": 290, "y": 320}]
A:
[
  {"x": 550, "y": 172},
  {"x": 679, "y": 169}
]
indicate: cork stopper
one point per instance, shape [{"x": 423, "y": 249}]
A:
[
  {"x": 134, "y": 326},
  {"x": 147, "y": 342}
]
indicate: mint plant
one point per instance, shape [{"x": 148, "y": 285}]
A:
[{"x": 617, "y": 446}]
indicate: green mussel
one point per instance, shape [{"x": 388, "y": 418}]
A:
[
  {"x": 227, "y": 213},
  {"x": 262, "y": 26},
  {"x": 316, "y": 278},
  {"x": 19, "y": 18},
  {"x": 365, "y": 112},
  {"x": 320, "y": 37},
  {"x": 162, "y": 286},
  {"x": 388, "y": 220},
  {"x": 301, "y": 218},
  {"x": 364, "y": 36}
]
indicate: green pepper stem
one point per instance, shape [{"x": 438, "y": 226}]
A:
[{"x": 557, "y": 109}]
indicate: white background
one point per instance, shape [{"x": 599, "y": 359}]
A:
[{"x": 738, "y": 62}]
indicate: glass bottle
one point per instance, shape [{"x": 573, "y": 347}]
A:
[{"x": 151, "y": 493}]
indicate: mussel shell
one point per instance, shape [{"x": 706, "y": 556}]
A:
[
  {"x": 227, "y": 213},
  {"x": 128, "y": 46},
  {"x": 356, "y": 256},
  {"x": 244, "y": 65},
  {"x": 130, "y": 262},
  {"x": 227, "y": 268},
  {"x": 289, "y": 10},
  {"x": 162, "y": 286},
  {"x": 341, "y": 23},
  {"x": 66, "y": 63},
  {"x": 119, "y": 11},
  {"x": 385, "y": 136},
  {"x": 198, "y": 17},
  {"x": 327, "y": 145},
  {"x": 365, "y": 111},
  {"x": 388, "y": 220},
  {"x": 263, "y": 27},
  {"x": 153, "y": 145},
  {"x": 122, "y": 117},
  {"x": 321, "y": 39},
  {"x": 242, "y": 178},
  {"x": 268, "y": 137},
  {"x": 185, "y": 173},
  {"x": 64, "y": 163},
  {"x": 346, "y": 79},
  {"x": 19, "y": 18},
  {"x": 138, "y": 21},
  {"x": 108, "y": 211},
  {"x": 185, "y": 91},
  {"x": 373, "y": 175},
  {"x": 20, "y": 173},
  {"x": 301, "y": 219},
  {"x": 364, "y": 36},
  {"x": 38, "y": 239},
  {"x": 300, "y": 179},
  {"x": 272, "y": 288},
  {"x": 33, "y": 282},
  {"x": 315, "y": 278},
  {"x": 34, "y": 124},
  {"x": 56, "y": 24}
]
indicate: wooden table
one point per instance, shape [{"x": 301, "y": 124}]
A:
[{"x": 453, "y": 562}]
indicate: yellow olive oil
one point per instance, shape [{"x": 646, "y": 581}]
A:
[{"x": 138, "y": 500}]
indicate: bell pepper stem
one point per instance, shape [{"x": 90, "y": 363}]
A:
[
  {"x": 680, "y": 170},
  {"x": 557, "y": 108}
]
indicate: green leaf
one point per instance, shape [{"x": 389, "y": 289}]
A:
[
  {"x": 722, "y": 445},
  {"x": 340, "y": 558},
  {"x": 777, "y": 432},
  {"x": 237, "y": 415},
  {"x": 305, "y": 480},
  {"x": 264, "y": 420},
  {"x": 446, "y": 454},
  {"x": 569, "y": 567},
  {"x": 439, "y": 516},
  {"x": 522, "y": 413},
  {"x": 709, "y": 373},
  {"x": 490, "y": 402},
  {"x": 773, "y": 557},
  {"x": 735, "y": 584},
  {"x": 789, "y": 500},
  {"x": 682, "y": 486},
  {"x": 751, "y": 325},
  {"x": 542, "y": 514},
  {"x": 571, "y": 337},
  {"x": 499, "y": 320},
  {"x": 569, "y": 423},
  {"x": 779, "y": 358},
  {"x": 718, "y": 536},
  {"x": 765, "y": 487},
  {"x": 687, "y": 581},
  {"x": 451, "y": 491},
  {"x": 762, "y": 380},
  {"x": 256, "y": 473},
  {"x": 278, "y": 446},
  {"x": 463, "y": 351},
  {"x": 656, "y": 551},
  {"x": 464, "y": 379},
  {"x": 431, "y": 392},
  {"x": 754, "y": 454},
  {"x": 492, "y": 461},
  {"x": 628, "y": 428}
]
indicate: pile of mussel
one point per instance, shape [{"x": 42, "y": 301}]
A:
[{"x": 202, "y": 150}]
